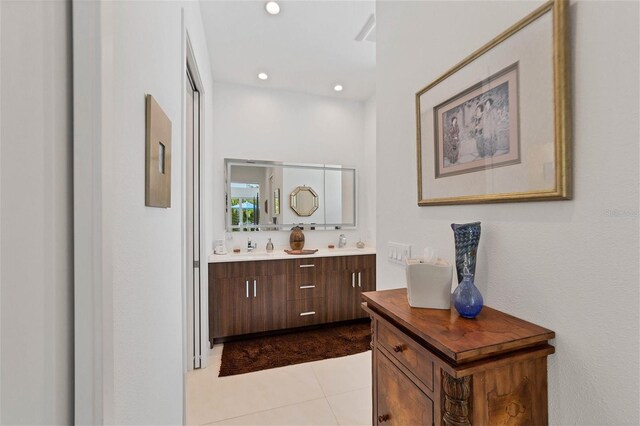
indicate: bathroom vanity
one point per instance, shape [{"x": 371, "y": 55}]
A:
[
  {"x": 255, "y": 293},
  {"x": 433, "y": 367}
]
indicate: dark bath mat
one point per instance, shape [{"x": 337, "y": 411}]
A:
[{"x": 245, "y": 356}]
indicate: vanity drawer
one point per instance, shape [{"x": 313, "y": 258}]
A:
[
  {"x": 306, "y": 266},
  {"x": 305, "y": 312},
  {"x": 247, "y": 269},
  {"x": 303, "y": 286},
  {"x": 408, "y": 352}
]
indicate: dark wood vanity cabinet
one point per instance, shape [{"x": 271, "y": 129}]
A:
[
  {"x": 243, "y": 297},
  {"x": 433, "y": 367},
  {"x": 257, "y": 296},
  {"x": 347, "y": 277}
]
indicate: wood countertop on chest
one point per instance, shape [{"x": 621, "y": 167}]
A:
[{"x": 459, "y": 339}]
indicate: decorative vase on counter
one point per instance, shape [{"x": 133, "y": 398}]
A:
[
  {"x": 466, "y": 297},
  {"x": 296, "y": 238},
  {"x": 467, "y": 238}
]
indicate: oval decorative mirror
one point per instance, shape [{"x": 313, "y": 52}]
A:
[{"x": 304, "y": 201}]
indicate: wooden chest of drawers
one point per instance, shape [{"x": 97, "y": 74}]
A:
[{"x": 433, "y": 367}]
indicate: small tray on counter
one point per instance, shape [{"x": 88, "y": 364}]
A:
[{"x": 298, "y": 252}]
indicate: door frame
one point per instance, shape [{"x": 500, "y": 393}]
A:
[{"x": 191, "y": 67}]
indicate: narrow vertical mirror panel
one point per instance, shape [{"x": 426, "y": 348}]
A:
[{"x": 161, "y": 157}]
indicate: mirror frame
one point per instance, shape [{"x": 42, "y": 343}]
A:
[
  {"x": 229, "y": 162},
  {"x": 293, "y": 200}
]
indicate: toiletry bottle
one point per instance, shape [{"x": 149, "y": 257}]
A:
[{"x": 269, "y": 246}]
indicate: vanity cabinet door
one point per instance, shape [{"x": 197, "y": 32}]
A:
[
  {"x": 233, "y": 305},
  {"x": 269, "y": 303},
  {"x": 366, "y": 281},
  {"x": 342, "y": 295}
]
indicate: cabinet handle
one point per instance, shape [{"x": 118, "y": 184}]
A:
[
  {"x": 353, "y": 279},
  {"x": 308, "y": 266},
  {"x": 307, "y": 286},
  {"x": 383, "y": 418},
  {"x": 254, "y": 288},
  {"x": 359, "y": 279},
  {"x": 398, "y": 348},
  {"x": 304, "y": 314},
  {"x": 246, "y": 286}
]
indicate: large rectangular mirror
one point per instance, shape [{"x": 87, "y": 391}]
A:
[{"x": 271, "y": 195}]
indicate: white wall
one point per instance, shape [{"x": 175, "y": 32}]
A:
[
  {"x": 368, "y": 198},
  {"x": 571, "y": 266},
  {"x": 36, "y": 251},
  {"x": 265, "y": 124},
  {"x": 141, "y": 51}
]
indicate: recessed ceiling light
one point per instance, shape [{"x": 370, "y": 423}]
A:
[
  {"x": 338, "y": 87},
  {"x": 263, "y": 76},
  {"x": 272, "y": 7}
]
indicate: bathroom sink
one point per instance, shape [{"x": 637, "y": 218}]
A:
[{"x": 253, "y": 255}]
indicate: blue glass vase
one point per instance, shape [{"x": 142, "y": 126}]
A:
[
  {"x": 466, "y": 297},
  {"x": 467, "y": 238}
]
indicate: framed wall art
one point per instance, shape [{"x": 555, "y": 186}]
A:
[
  {"x": 157, "y": 156},
  {"x": 276, "y": 202},
  {"x": 496, "y": 127}
]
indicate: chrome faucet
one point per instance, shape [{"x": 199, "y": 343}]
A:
[
  {"x": 251, "y": 245},
  {"x": 342, "y": 241}
]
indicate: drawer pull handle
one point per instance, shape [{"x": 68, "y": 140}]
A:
[
  {"x": 383, "y": 418},
  {"x": 359, "y": 279},
  {"x": 398, "y": 348},
  {"x": 308, "y": 266},
  {"x": 304, "y": 314},
  {"x": 353, "y": 279},
  {"x": 246, "y": 285},
  {"x": 307, "y": 286}
]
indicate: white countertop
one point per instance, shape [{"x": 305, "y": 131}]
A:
[{"x": 281, "y": 254}]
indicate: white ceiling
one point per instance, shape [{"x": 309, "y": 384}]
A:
[{"x": 309, "y": 47}]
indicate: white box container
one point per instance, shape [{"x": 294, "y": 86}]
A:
[{"x": 429, "y": 284}]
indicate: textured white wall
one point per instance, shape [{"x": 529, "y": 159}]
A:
[
  {"x": 141, "y": 50},
  {"x": 367, "y": 206},
  {"x": 265, "y": 124},
  {"x": 571, "y": 266},
  {"x": 147, "y": 242},
  {"x": 36, "y": 251}
]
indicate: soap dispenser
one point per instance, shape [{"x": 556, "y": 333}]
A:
[
  {"x": 269, "y": 246},
  {"x": 342, "y": 241}
]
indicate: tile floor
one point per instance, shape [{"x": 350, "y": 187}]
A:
[{"x": 334, "y": 391}]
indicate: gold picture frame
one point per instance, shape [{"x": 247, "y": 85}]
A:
[
  {"x": 157, "y": 156},
  {"x": 541, "y": 170}
]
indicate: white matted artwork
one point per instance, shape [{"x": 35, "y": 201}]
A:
[
  {"x": 496, "y": 127},
  {"x": 478, "y": 128}
]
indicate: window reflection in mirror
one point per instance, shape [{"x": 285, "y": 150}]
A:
[
  {"x": 244, "y": 205},
  {"x": 254, "y": 189}
]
